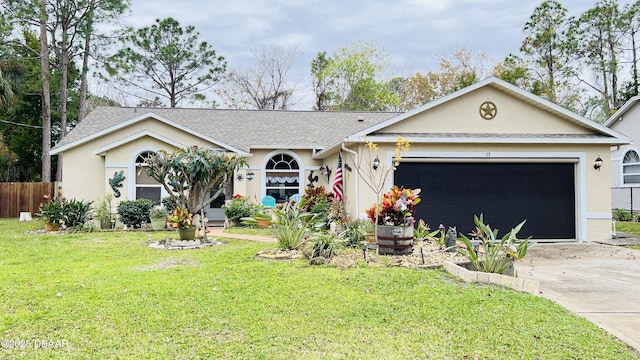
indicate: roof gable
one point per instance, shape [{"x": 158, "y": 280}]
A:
[
  {"x": 94, "y": 131},
  {"x": 136, "y": 136},
  {"x": 464, "y": 104}
]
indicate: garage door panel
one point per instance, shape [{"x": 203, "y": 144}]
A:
[{"x": 506, "y": 193}]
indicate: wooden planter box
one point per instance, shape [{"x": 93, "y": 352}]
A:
[{"x": 395, "y": 240}]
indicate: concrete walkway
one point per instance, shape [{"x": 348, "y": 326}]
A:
[
  {"x": 219, "y": 232},
  {"x": 597, "y": 281}
]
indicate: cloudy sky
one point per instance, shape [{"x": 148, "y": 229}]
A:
[{"x": 411, "y": 32}]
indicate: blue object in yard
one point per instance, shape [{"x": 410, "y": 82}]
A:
[{"x": 269, "y": 201}]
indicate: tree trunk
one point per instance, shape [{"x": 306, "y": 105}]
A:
[
  {"x": 85, "y": 61},
  {"x": 46, "y": 100},
  {"x": 634, "y": 63}
]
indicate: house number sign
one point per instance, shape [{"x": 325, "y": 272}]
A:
[{"x": 488, "y": 110}]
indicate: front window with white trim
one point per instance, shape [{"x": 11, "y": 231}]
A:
[
  {"x": 146, "y": 186},
  {"x": 282, "y": 176},
  {"x": 631, "y": 168}
]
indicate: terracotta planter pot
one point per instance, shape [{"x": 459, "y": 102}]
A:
[
  {"x": 52, "y": 227},
  {"x": 262, "y": 223}
]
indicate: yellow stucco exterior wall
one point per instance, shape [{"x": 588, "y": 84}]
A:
[
  {"x": 86, "y": 174},
  {"x": 461, "y": 115},
  {"x": 87, "y": 167}
]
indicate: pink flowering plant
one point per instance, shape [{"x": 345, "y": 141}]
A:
[{"x": 396, "y": 208}]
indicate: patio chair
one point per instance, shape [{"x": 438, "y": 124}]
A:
[{"x": 269, "y": 201}]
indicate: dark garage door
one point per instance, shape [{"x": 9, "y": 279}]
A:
[{"x": 506, "y": 193}]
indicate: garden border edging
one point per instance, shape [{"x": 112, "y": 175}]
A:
[{"x": 522, "y": 285}]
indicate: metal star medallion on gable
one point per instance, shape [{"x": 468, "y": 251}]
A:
[{"x": 488, "y": 110}]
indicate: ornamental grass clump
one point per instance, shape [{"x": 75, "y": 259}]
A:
[
  {"x": 493, "y": 255},
  {"x": 292, "y": 225}
]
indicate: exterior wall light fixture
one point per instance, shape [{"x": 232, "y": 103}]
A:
[
  {"x": 376, "y": 163},
  {"x": 598, "y": 163}
]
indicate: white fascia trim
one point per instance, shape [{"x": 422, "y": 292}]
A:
[
  {"x": 130, "y": 138},
  {"x": 618, "y": 114},
  {"x": 141, "y": 118},
  {"x": 494, "y": 155},
  {"x": 494, "y": 140},
  {"x": 599, "y": 216},
  {"x": 290, "y": 147},
  {"x": 116, "y": 165},
  {"x": 581, "y": 173}
]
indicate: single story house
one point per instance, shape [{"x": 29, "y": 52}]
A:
[
  {"x": 625, "y": 158},
  {"x": 489, "y": 148}
]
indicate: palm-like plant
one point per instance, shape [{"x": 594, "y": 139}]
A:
[
  {"x": 292, "y": 225},
  {"x": 498, "y": 254}
]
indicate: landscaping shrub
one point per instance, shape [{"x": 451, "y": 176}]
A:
[
  {"x": 134, "y": 212},
  {"x": 292, "y": 225},
  {"x": 317, "y": 201},
  {"x": 77, "y": 213},
  {"x": 355, "y": 232},
  {"x": 325, "y": 245},
  {"x": 620, "y": 214},
  {"x": 239, "y": 207},
  {"x": 498, "y": 254}
]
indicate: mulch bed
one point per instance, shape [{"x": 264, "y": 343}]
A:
[{"x": 425, "y": 255}]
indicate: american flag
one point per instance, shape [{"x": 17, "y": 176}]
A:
[{"x": 337, "y": 181}]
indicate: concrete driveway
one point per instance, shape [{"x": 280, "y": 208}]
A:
[{"x": 599, "y": 282}]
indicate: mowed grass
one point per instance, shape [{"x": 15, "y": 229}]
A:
[
  {"x": 109, "y": 296},
  {"x": 631, "y": 228}
]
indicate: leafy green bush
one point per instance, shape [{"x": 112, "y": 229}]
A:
[
  {"x": 620, "y": 214},
  {"x": 498, "y": 254},
  {"x": 77, "y": 213},
  {"x": 134, "y": 212},
  {"x": 356, "y": 230},
  {"x": 239, "y": 207},
  {"x": 318, "y": 201},
  {"x": 52, "y": 211}
]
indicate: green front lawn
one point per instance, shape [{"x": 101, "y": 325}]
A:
[
  {"x": 631, "y": 228},
  {"x": 108, "y": 296}
]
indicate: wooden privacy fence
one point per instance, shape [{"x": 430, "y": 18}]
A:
[{"x": 19, "y": 197}]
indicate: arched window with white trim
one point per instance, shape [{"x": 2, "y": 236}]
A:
[
  {"x": 146, "y": 186},
  {"x": 282, "y": 177},
  {"x": 631, "y": 168}
]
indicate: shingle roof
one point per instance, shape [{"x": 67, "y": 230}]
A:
[{"x": 241, "y": 129}]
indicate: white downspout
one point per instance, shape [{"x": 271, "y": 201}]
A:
[{"x": 357, "y": 178}]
